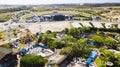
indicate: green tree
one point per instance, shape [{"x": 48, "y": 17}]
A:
[
  {"x": 80, "y": 48},
  {"x": 86, "y": 29},
  {"x": 67, "y": 51},
  {"x": 98, "y": 39},
  {"x": 69, "y": 40},
  {"x": 110, "y": 42},
  {"x": 91, "y": 24},
  {"x": 107, "y": 54},
  {"x": 52, "y": 44},
  {"x": 60, "y": 44},
  {"x": 75, "y": 32},
  {"x": 116, "y": 62},
  {"x": 66, "y": 30},
  {"x": 103, "y": 24},
  {"x": 46, "y": 38},
  {"x": 101, "y": 49},
  {"x": 116, "y": 26},
  {"x": 48, "y": 31},
  {"x": 32, "y": 61},
  {"x": 81, "y": 24}
]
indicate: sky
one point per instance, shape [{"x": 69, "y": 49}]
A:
[{"x": 38, "y": 2}]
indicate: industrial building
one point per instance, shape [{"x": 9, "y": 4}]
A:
[{"x": 50, "y": 17}]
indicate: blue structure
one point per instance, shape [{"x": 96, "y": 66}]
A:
[
  {"x": 91, "y": 58},
  {"x": 25, "y": 50},
  {"x": 91, "y": 43}
]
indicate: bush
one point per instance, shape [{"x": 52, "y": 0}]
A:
[{"x": 32, "y": 61}]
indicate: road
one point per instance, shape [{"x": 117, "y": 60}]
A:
[{"x": 54, "y": 23}]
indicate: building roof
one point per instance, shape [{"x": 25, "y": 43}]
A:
[{"x": 3, "y": 52}]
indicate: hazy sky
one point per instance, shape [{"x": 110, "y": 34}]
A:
[{"x": 35, "y": 2}]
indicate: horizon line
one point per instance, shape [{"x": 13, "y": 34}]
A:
[{"x": 63, "y": 3}]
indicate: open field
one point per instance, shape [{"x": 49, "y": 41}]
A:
[
  {"x": 6, "y": 16},
  {"x": 106, "y": 13}
]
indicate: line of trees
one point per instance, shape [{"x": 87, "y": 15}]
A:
[
  {"x": 13, "y": 9},
  {"x": 110, "y": 56}
]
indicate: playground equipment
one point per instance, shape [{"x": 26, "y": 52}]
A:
[{"x": 28, "y": 36}]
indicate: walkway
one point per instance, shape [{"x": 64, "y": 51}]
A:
[{"x": 57, "y": 58}]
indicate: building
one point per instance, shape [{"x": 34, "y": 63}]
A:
[
  {"x": 7, "y": 59},
  {"x": 51, "y": 17}
]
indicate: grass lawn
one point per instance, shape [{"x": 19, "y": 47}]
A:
[{"x": 36, "y": 14}]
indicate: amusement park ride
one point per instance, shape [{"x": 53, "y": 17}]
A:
[{"x": 18, "y": 20}]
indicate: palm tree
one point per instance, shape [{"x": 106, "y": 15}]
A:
[
  {"x": 81, "y": 24},
  {"x": 91, "y": 24},
  {"x": 103, "y": 24},
  {"x": 110, "y": 42},
  {"x": 81, "y": 48}
]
